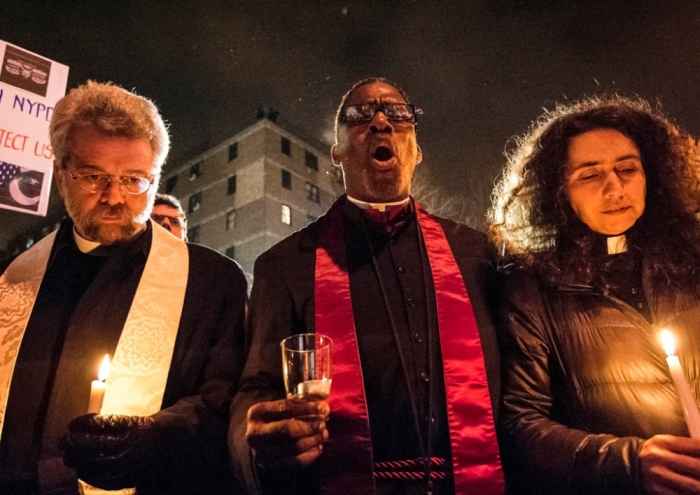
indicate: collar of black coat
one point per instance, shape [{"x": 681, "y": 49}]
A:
[
  {"x": 617, "y": 244},
  {"x": 611, "y": 244},
  {"x": 65, "y": 240},
  {"x": 364, "y": 205},
  {"x": 389, "y": 222},
  {"x": 85, "y": 245}
]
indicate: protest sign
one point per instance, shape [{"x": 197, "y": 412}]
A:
[{"x": 30, "y": 85}]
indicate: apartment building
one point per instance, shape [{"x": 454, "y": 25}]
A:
[{"x": 254, "y": 189}]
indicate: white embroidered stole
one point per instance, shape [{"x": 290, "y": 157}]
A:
[
  {"x": 19, "y": 286},
  {"x": 141, "y": 362},
  {"x": 140, "y": 366}
]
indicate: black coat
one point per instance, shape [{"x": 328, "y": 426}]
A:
[
  {"x": 282, "y": 304},
  {"x": 585, "y": 381},
  {"x": 76, "y": 321}
]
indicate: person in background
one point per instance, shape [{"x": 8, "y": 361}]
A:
[
  {"x": 405, "y": 298},
  {"x": 597, "y": 216},
  {"x": 167, "y": 212},
  {"x": 110, "y": 281}
]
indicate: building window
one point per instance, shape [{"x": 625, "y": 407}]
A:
[
  {"x": 195, "y": 202},
  {"x": 286, "y": 146},
  {"x": 230, "y": 220},
  {"x": 233, "y": 152},
  {"x": 231, "y": 185},
  {"x": 312, "y": 193},
  {"x": 286, "y": 215},
  {"x": 311, "y": 161},
  {"x": 195, "y": 171},
  {"x": 231, "y": 252},
  {"x": 170, "y": 184},
  {"x": 193, "y": 234},
  {"x": 286, "y": 179}
]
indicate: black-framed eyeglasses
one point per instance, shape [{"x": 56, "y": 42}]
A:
[
  {"x": 174, "y": 221},
  {"x": 93, "y": 182},
  {"x": 396, "y": 112}
]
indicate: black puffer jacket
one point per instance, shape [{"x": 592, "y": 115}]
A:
[{"x": 585, "y": 381}]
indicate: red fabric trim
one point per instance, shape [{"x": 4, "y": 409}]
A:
[
  {"x": 347, "y": 459},
  {"x": 476, "y": 460},
  {"x": 346, "y": 462}
]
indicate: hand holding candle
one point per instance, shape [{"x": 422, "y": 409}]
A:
[
  {"x": 97, "y": 389},
  {"x": 690, "y": 408}
]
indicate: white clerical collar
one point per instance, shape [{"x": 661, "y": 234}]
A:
[
  {"x": 377, "y": 206},
  {"x": 617, "y": 244},
  {"x": 84, "y": 244}
]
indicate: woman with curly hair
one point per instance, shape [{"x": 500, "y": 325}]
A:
[{"x": 597, "y": 219}]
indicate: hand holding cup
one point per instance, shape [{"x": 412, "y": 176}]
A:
[{"x": 291, "y": 432}]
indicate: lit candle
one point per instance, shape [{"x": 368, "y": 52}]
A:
[
  {"x": 97, "y": 390},
  {"x": 690, "y": 408}
]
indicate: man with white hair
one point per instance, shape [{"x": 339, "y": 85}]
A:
[{"x": 110, "y": 281}]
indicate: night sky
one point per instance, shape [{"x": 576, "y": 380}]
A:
[{"x": 482, "y": 71}]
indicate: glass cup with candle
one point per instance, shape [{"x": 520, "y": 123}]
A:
[{"x": 306, "y": 364}]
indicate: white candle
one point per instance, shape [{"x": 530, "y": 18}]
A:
[
  {"x": 311, "y": 390},
  {"x": 690, "y": 408},
  {"x": 97, "y": 389}
]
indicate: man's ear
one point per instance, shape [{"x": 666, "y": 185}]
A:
[
  {"x": 59, "y": 176},
  {"x": 335, "y": 155},
  {"x": 419, "y": 154}
]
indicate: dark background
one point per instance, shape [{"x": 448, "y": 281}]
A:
[{"x": 481, "y": 70}]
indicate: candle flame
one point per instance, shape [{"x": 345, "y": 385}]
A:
[
  {"x": 104, "y": 369},
  {"x": 668, "y": 342}
]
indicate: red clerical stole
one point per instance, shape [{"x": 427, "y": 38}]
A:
[{"x": 346, "y": 463}]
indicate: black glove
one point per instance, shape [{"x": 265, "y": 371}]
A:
[{"x": 112, "y": 452}]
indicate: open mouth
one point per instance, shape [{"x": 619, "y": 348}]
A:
[{"x": 383, "y": 154}]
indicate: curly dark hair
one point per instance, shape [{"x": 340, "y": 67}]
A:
[{"x": 535, "y": 228}]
